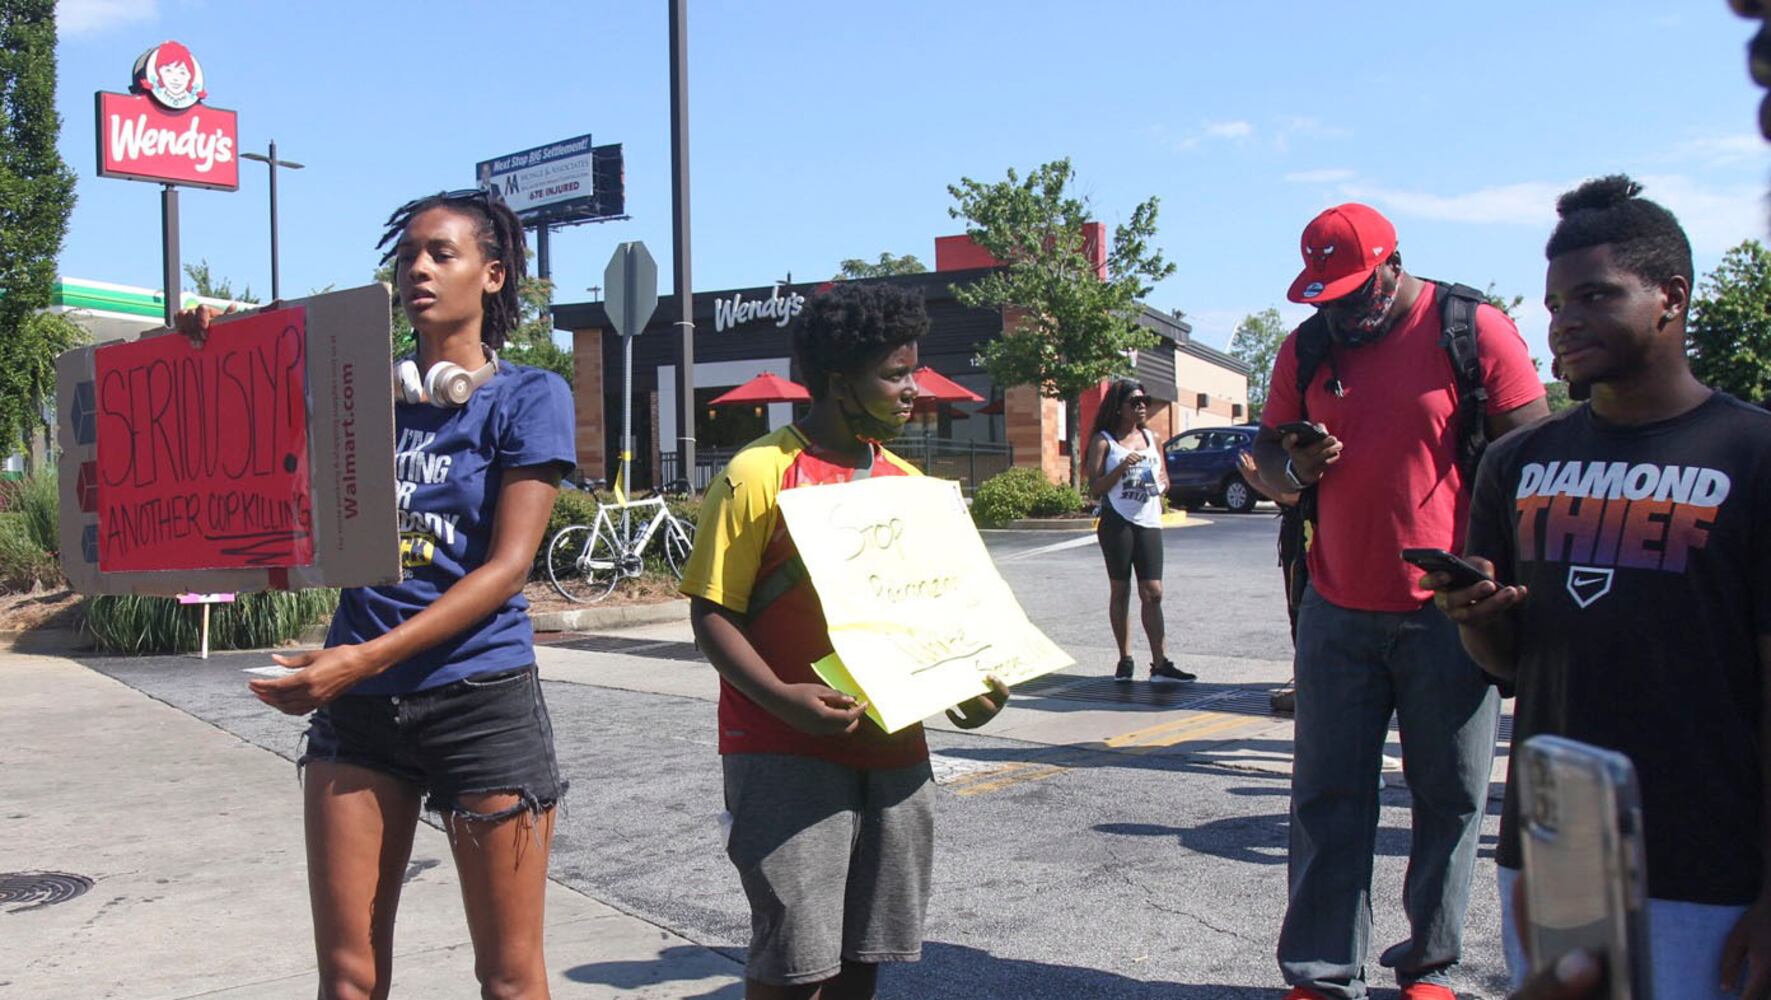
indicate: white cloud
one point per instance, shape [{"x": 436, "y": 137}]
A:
[
  {"x": 1531, "y": 203},
  {"x": 78, "y": 17},
  {"x": 1229, "y": 130},
  {"x": 1331, "y": 175},
  {"x": 1312, "y": 128},
  {"x": 1722, "y": 150},
  {"x": 1715, "y": 216}
]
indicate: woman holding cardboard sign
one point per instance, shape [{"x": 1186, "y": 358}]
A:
[{"x": 426, "y": 693}]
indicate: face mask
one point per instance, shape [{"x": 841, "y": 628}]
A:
[
  {"x": 864, "y": 425},
  {"x": 1361, "y": 319}
]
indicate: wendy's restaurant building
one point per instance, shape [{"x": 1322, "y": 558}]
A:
[{"x": 741, "y": 333}]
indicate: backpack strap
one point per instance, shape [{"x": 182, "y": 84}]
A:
[
  {"x": 1457, "y": 323},
  {"x": 1312, "y": 346}
]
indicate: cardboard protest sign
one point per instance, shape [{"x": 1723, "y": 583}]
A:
[
  {"x": 202, "y": 453},
  {"x": 261, "y": 460},
  {"x": 917, "y": 613}
]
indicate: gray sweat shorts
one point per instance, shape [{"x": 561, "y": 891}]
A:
[{"x": 835, "y": 860}]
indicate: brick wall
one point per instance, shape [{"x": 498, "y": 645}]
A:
[{"x": 587, "y": 398}]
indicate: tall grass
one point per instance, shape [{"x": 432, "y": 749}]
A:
[
  {"x": 38, "y": 498},
  {"x": 134, "y": 624},
  {"x": 28, "y": 533}
]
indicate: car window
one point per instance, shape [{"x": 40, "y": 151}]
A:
[{"x": 1190, "y": 442}]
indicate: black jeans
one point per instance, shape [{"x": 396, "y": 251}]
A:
[{"x": 479, "y": 735}]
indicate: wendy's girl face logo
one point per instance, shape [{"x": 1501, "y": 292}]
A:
[{"x": 170, "y": 75}]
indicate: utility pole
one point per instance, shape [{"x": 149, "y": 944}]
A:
[
  {"x": 679, "y": 249},
  {"x": 272, "y": 162}
]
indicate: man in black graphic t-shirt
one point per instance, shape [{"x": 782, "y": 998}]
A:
[{"x": 1631, "y": 538}]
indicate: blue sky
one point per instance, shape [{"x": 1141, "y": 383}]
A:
[{"x": 829, "y": 130}]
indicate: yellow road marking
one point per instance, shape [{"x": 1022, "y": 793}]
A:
[
  {"x": 1175, "y": 731},
  {"x": 1028, "y": 773},
  {"x": 1137, "y": 742}
]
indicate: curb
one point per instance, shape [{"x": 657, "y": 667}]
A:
[
  {"x": 587, "y": 619},
  {"x": 1172, "y": 519}
]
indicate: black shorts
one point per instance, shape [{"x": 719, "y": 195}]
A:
[
  {"x": 1129, "y": 546},
  {"x": 479, "y": 735}
]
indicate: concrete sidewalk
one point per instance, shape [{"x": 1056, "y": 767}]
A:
[{"x": 192, "y": 839}]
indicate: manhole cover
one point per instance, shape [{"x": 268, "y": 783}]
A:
[{"x": 29, "y": 890}]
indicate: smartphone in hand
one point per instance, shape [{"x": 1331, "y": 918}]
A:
[
  {"x": 1463, "y": 574},
  {"x": 1307, "y": 433},
  {"x": 1580, "y": 819}
]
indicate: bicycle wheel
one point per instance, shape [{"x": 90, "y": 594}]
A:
[
  {"x": 583, "y": 564},
  {"x": 679, "y": 541}
]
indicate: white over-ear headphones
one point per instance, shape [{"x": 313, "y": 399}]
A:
[{"x": 446, "y": 384}]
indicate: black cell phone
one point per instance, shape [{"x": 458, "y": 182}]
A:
[
  {"x": 1440, "y": 561},
  {"x": 1308, "y": 433}
]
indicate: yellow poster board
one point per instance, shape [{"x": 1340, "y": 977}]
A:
[{"x": 918, "y": 615}]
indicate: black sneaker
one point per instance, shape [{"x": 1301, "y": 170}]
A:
[
  {"x": 1122, "y": 673},
  {"x": 1167, "y": 671}
]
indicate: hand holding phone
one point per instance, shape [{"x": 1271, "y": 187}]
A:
[
  {"x": 1580, "y": 820},
  {"x": 1307, "y": 433},
  {"x": 1462, "y": 573}
]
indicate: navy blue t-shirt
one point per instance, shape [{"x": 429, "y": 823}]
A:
[{"x": 447, "y": 472}]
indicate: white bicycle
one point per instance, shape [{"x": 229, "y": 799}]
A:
[{"x": 586, "y": 561}]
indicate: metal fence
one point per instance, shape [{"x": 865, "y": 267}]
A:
[{"x": 970, "y": 462}]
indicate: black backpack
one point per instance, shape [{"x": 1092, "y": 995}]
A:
[{"x": 1457, "y": 321}]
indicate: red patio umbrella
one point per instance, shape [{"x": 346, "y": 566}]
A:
[
  {"x": 765, "y": 388},
  {"x": 932, "y": 386}
]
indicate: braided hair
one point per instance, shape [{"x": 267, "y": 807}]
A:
[{"x": 500, "y": 235}]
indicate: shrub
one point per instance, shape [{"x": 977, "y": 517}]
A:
[
  {"x": 24, "y": 565},
  {"x": 1057, "y": 500},
  {"x": 38, "y": 498},
  {"x": 129, "y": 623},
  {"x": 1009, "y": 495}
]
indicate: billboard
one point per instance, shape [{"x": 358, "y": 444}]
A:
[
  {"x": 162, "y": 131},
  {"x": 562, "y": 182}
]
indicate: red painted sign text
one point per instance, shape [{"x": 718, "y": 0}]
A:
[{"x": 203, "y": 452}]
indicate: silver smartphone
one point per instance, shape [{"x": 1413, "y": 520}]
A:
[{"x": 1585, "y": 868}]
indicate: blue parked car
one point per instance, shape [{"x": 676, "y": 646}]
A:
[{"x": 1202, "y": 468}]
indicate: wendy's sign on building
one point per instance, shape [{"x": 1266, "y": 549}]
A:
[{"x": 162, "y": 131}]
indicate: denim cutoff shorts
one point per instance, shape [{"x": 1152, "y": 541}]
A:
[{"x": 479, "y": 735}]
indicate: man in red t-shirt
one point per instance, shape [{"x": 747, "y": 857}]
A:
[{"x": 1369, "y": 640}]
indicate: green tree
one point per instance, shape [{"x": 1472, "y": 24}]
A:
[
  {"x": 204, "y": 283},
  {"x": 856, "y": 269},
  {"x": 1556, "y": 394},
  {"x": 36, "y": 195},
  {"x": 1504, "y": 304},
  {"x": 531, "y": 343},
  {"x": 1730, "y": 327},
  {"x": 1069, "y": 329},
  {"x": 1256, "y": 343}
]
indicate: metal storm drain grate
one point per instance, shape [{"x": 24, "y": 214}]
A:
[{"x": 28, "y": 890}]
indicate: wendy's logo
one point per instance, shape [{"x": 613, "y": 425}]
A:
[{"x": 170, "y": 75}]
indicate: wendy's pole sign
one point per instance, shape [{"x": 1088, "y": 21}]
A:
[{"x": 162, "y": 132}]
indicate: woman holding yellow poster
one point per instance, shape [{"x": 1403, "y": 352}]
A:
[{"x": 832, "y": 817}]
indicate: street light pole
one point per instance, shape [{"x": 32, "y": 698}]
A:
[{"x": 272, "y": 162}]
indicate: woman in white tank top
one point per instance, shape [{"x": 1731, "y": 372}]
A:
[{"x": 1127, "y": 474}]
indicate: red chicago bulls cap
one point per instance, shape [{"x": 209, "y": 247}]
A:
[{"x": 1341, "y": 248}]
